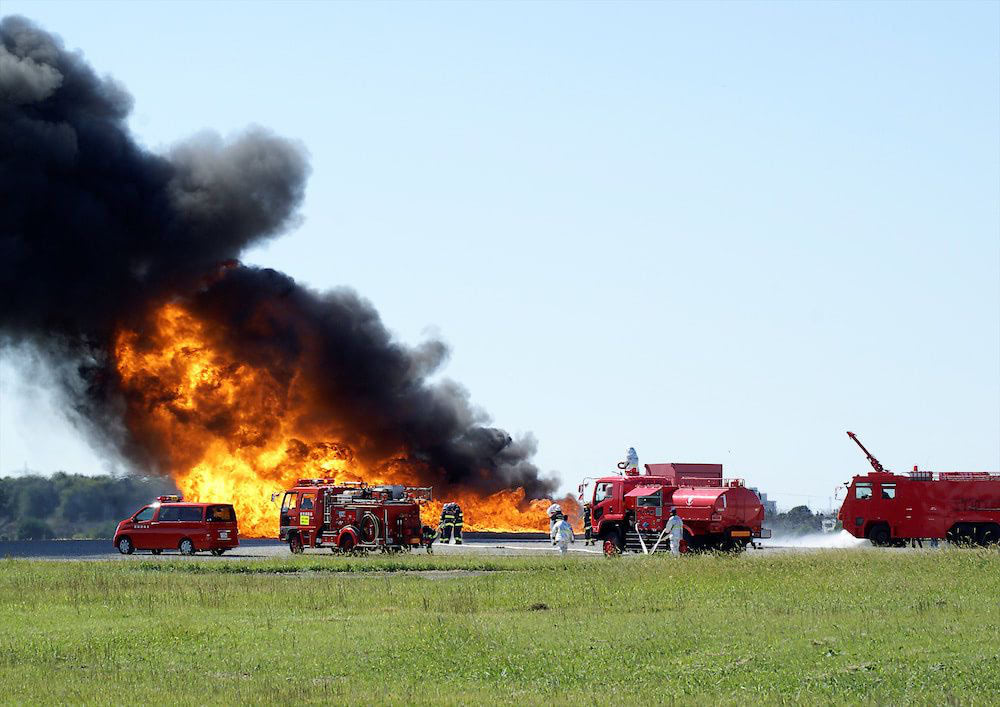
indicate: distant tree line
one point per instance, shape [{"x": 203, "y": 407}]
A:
[
  {"x": 72, "y": 505},
  {"x": 798, "y": 521}
]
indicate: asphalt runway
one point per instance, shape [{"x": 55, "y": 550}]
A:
[
  {"x": 261, "y": 549},
  {"x": 524, "y": 544}
]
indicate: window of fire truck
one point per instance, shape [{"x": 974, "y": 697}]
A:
[
  {"x": 862, "y": 490},
  {"x": 144, "y": 515},
  {"x": 221, "y": 514},
  {"x": 603, "y": 491},
  {"x": 191, "y": 513},
  {"x": 307, "y": 502},
  {"x": 168, "y": 513},
  {"x": 648, "y": 501},
  {"x": 888, "y": 490},
  {"x": 288, "y": 503}
]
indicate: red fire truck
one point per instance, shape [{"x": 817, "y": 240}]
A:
[
  {"x": 891, "y": 509},
  {"x": 629, "y": 511},
  {"x": 351, "y": 516}
]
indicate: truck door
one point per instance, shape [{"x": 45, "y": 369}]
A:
[
  {"x": 604, "y": 500},
  {"x": 142, "y": 531},
  {"x": 289, "y": 508},
  {"x": 165, "y": 528},
  {"x": 191, "y": 524},
  {"x": 861, "y": 507},
  {"x": 309, "y": 516},
  {"x": 884, "y": 506}
]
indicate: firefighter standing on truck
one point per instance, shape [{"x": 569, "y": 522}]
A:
[{"x": 675, "y": 528}]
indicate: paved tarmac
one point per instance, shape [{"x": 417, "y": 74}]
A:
[{"x": 260, "y": 549}]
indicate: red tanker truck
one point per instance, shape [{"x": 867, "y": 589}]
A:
[
  {"x": 629, "y": 511},
  {"x": 891, "y": 509},
  {"x": 353, "y": 516}
]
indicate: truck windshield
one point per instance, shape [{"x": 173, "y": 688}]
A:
[
  {"x": 862, "y": 490},
  {"x": 603, "y": 491},
  {"x": 289, "y": 503}
]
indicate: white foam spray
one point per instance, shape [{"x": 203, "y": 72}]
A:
[{"x": 839, "y": 540}]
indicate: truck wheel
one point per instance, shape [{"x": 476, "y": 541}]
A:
[
  {"x": 157, "y": 552},
  {"x": 295, "y": 544},
  {"x": 989, "y": 534},
  {"x": 879, "y": 535},
  {"x": 962, "y": 534},
  {"x": 611, "y": 548},
  {"x": 347, "y": 543},
  {"x": 125, "y": 546},
  {"x": 186, "y": 547}
]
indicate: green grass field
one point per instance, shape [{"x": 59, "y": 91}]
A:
[{"x": 834, "y": 626}]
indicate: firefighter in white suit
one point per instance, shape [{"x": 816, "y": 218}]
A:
[
  {"x": 675, "y": 529},
  {"x": 562, "y": 535}
]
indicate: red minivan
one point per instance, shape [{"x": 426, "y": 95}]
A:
[{"x": 170, "y": 524}]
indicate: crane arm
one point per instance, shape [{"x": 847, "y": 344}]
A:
[{"x": 876, "y": 464}]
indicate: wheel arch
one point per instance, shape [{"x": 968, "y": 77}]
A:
[{"x": 348, "y": 532}]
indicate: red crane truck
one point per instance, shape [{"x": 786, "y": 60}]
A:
[
  {"x": 892, "y": 509},
  {"x": 629, "y": 511},
  {"x": 351, "y": 516}
]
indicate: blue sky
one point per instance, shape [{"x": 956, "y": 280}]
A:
[{"x": 716, "y": 232}]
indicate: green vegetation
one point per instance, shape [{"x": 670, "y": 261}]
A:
[
  {"x": 72, "y": 505},
  {"x": 836, "y": 626}
]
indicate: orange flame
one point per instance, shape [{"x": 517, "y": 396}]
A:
[{"x": 230, "y": 432}]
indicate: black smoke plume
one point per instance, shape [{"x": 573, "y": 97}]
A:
[{"x": 95, "y": 229}]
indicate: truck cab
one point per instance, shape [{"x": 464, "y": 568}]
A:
[{"x": 872, "y": 507}]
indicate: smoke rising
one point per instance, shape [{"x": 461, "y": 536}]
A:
[{"x": 96, "y": 231}]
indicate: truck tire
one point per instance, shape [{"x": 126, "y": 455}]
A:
[
  {"x": 879, "y": 535},
  {"x": 962, "y": 534},
  {"x": 186, "y": 546},
  {"x": 989, "y": 534},
  {"x": 125, "y": 545},
  {"x": 346, "y": 543},
  {"x": 295, "y": 544},
  {"x": 157, "y": 551},
  {"x": 611, "y": 548}
]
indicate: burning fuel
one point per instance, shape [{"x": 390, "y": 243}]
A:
[{"x": 119, "y": 266}]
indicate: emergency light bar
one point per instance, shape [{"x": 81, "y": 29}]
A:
[{"x": 174, "y": 498}]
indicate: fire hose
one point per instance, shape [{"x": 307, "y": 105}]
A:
[
  {"x": 641, "y": 541},
  {"x": 659, "y": 539}
]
